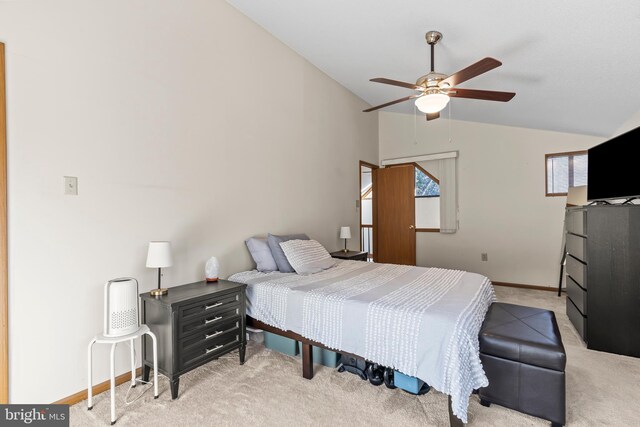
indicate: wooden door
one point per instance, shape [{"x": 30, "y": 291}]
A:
[
  {"x": 395, "y": 219},
  {"x": 4, "y": 291}
]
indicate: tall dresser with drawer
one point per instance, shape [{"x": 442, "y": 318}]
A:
[
  {"x": 603, "y": 276},
  {"x": 194, "y": 324}
]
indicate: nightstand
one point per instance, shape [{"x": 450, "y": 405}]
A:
[
  {"x": 351, "y": 255},
  {"x": 194, "y": 324}
]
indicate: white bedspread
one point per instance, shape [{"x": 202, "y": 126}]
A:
[{"x": 423, "y": 322}]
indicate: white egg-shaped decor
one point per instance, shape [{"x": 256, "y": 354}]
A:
[{"x": 212, "y": 269}]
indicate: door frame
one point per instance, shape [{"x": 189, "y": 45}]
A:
[
  {"x": 373, "y": 201},
  {"x": 4, "y": 280}
]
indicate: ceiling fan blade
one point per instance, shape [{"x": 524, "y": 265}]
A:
[
  {"x": 406, "y": 98},
  {"x": 474, "y": 70},
  {"x": 487, "y": 95},
  {"x": 433, "y": 116},
  {"x": 396, "y": 83}
]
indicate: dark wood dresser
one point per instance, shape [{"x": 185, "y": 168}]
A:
[
  {"x": 194, "y": 324},
  {"x": 603, "y": 276}
]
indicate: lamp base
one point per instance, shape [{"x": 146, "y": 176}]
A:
[
  {"x": 159, "y": 292},
  {"x": 345, "y": 250},
  {"x": 212, "y": 279}
]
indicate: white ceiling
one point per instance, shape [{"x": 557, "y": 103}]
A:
[{"x": 574, "y": 64}]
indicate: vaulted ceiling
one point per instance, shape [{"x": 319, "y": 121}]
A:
[{"x": 575, "y": 64}]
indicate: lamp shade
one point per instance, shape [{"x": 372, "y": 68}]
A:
[
  {"x": 432, "y": 103},
  {"x": 345, "y": 232},
  {"x": 159, "y": 255}
]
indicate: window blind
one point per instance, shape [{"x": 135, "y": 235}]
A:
[{"x": 448, "y": 196}]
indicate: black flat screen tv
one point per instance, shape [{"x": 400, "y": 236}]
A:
[{"x": 612, "y": 171}]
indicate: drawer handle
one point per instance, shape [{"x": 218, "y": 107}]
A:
[
  {"x": 206, "y": 322},
  {"x": 207, "y": 307},
  {"x": 209, "y": 350},
  {"x": 215, "y": 334}
]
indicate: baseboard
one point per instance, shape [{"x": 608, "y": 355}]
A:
[
  {"x": 97, "y": 389},
  {"x": 521, "y": 286}
]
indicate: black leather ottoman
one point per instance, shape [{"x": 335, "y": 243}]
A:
[{"x": 523, "y": 356}]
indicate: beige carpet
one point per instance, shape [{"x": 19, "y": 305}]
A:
[{"x": 602, "y": 389}]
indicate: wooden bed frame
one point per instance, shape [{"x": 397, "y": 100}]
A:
[{"x": 307, "y": 356}]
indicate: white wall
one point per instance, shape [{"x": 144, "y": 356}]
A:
[
  {"x": 184, "y": 121},
  {"x": 503, "y": 208}
]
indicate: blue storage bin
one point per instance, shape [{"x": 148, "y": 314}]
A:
[
  {"x": 407, "y": 383},
  {"x": 328, "y": 358},
  {"x": 280, "y": 344},
  {"x": 325, "y": 357}
]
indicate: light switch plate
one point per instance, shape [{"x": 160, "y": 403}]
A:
[{"x": 71, "y": 185}]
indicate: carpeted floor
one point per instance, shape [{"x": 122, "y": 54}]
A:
[{"x": 602, "y": 389}]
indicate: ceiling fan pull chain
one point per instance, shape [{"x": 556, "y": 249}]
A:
[
  {"x": 450, "y": 107},
  {"x": 415, "y": 120}
]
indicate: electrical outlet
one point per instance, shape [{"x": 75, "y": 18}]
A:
[
  {"x": 71, "y": 185},
  {"x": 484, "y": 257}
]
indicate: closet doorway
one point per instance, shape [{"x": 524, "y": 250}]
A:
[{"x": 367, "y": 208}]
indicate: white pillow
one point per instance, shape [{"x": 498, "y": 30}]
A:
[{"x": 307, "y": 256}]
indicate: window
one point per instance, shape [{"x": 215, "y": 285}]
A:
[
  {"x": 564, "y": 170},
  {"x": 427, "y": 194},
  {"x": 426, "y": 186}
]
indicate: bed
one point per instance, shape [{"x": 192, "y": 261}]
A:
[{"x": 423, "y": 322}]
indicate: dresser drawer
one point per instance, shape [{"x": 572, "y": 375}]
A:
[
  {"x": 576, "y": 221},
  {"x": 207, "y": 320},
  {"x": 207, "y": 306},
  {"x": 577, "y": 319},
  {"x": 577, "y": 270},
  {"x": 577, "y": 247},
  {"x": 578, "y": 295},
  {"x": 209, "y": 350},
  {"x": 209, "y": 334}
]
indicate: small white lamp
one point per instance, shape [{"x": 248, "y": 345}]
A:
[
  {"x": 159, "y": 256},
  {"x": 345, "y": 233},
  {"x": 211, "y": 269}
]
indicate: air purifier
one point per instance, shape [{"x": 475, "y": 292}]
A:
[{"x": 121, "y": 307}]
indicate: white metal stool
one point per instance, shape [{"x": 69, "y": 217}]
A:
[{"x": 121, "y": 324}]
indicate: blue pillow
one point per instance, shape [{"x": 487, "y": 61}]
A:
[{"x": 278, "y": 253}]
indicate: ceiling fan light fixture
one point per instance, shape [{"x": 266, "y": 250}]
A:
[
  {"x": 432, "y": 103},
  {"x": 435, "y": 89}
]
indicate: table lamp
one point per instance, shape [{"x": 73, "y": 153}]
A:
[
  {"x": 345, "y": 233},
  {"x": 159, "y": 256}
]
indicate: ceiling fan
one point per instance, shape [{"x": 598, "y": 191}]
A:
[{"x": 436, "y": 89}]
